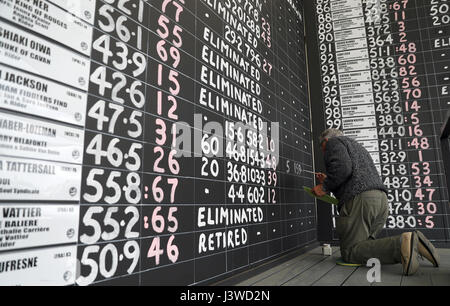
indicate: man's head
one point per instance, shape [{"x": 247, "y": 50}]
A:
[{"x": 327, "y": 135}]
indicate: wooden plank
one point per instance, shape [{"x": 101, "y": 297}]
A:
[
  {"x": 314, "y": 269},
  {"x": 438, "y": 276},
  {"x": 358, "y": 278},
  {"x": 445, "y": 257},
  {"x": 391, "y": 275},
  {"x": 269, "y": 272},
  {"x": 335, "y": 277},
  {"x": 427, "y": 275},
  {"x": 290, "y": 272},
  {"x": 441, "y": 275},
  {"x": 420, "y": 278},
  {"x": 313, "y": 274},
  {"x": 444, "y": 252}
]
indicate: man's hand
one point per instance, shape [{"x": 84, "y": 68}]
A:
[
  {"x": 318, "y": 191},
  {"x": 321, "y": 177}
]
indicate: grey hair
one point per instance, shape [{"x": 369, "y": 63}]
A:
[{"x": 330, "y": 133}]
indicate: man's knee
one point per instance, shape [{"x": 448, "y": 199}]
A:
[
  {"x": 346, "y": 255},
  {"x": 353, "y": 255}
]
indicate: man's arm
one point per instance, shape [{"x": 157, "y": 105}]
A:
[{"x": 338, "y": 165}]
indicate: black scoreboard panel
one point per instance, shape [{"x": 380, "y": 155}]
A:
[
  {"x": 384, "y": 70},
  {"x": 139, "y": 144},
  {"x": 445, "y": 145}
]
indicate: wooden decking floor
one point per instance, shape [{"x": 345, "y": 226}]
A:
[{"x": 314, "y": 269}]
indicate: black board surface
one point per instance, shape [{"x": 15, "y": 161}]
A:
[
  {"x": 445, "y": 145},
  {"x": 139, "y": 143}
]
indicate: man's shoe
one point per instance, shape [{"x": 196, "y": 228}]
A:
[
  {"x": 427, "y": 249},
  {"x": 409, "y": 253}
]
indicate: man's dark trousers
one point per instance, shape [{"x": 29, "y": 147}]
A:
[{"x": 361, "y": 219}]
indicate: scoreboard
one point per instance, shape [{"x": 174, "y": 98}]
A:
[
  {"x": 384, "y": 72},
  {"x": 151, "y": 142},
  {"x": 166, "y": 142}
]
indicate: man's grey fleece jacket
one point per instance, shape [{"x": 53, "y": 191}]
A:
[{"x": 350, "y": 169}]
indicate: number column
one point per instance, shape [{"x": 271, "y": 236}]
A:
[
  {"x": 167, "y": 247},
  {"x": 269, "y": 139},
  {"x": 387, "y": 102},
  {"x": 328, "y": 66},
  {"x": 425, "y": 213},
  {"x": 112, "y": 172}
]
